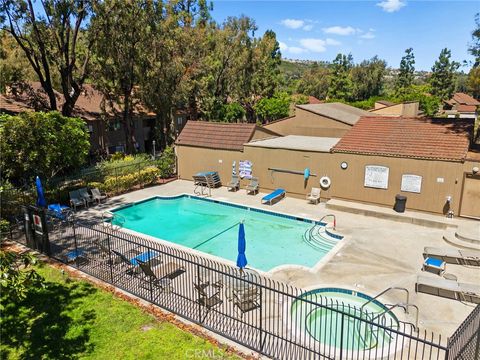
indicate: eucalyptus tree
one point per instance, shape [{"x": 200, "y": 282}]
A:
[
  {"x": 52, "y": 36},
  {"x": 368, "y": 78}
]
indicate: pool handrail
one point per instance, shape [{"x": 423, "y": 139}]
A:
[
  {"x": 384, "y": 292},
  {"x": 405, "y": 307},
  {"x": 113, "y": 216},
  {"x": 334, "y": 220}
]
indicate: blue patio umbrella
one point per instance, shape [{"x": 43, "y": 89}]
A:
[
  {"x": 241, "y": 258},
  {"x": 40, "y": 195}
]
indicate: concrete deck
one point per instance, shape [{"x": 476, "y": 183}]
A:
[{"x": 378, "y": 253}]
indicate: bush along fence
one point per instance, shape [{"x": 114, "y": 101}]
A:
[
  {"x": 113, "y": 180},
  {"x": 270, "y": 317}
]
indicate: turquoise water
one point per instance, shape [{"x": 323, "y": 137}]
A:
[
  {"x": 213, "y": 228},
  {"x": 355, "y": 334}
]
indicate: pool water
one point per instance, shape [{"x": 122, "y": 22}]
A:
[
  {"x": 212, "y": 227},
  {"x": 324, "y": 323}
]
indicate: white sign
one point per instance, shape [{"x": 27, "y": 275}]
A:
[
  {"x": 411, "y": 183},
  {"x": 440, "y": 180},
  {"x": 376, "y": 176}
]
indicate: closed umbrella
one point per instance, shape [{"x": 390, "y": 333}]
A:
[
  {"x": 241, "y": 258},
  {"x": 40, "y": 195}
]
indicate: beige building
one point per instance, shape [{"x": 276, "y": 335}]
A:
[
  {"x": 387, "y": 108},
  {"x": 426, "y": 160},
  {"x": 324, "y": 120}
]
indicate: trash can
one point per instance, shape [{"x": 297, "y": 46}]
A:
[{"x": 400, "y": 202}]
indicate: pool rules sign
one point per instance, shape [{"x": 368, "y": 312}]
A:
[{"x": 376, "y": 176}]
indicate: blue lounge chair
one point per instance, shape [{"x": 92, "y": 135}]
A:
[{"x": 275, "y": 195}]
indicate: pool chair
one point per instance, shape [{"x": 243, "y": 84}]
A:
[
  {"x": 434, "y": 265},
  {"x": 314, "y": 196},
  {"x": 208, "y": 296},
  {"x": 97, "y": 195},
  {"x": 276, "y": 195},
  {"x": 76, "y": 200},
  {"x": 453, "y": 256},
  {"x": 163, "y": 275},
  {"x": 234, "y": 184},
  {"x": 450, "y": 289},
  {"x": 83, "y": 193},
  {"x": 246, "y": 300},
  {"x": 252, "y": 187}
]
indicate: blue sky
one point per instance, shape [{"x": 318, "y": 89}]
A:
[{"x": 318, "y": 30}]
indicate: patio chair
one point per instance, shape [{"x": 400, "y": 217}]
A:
[
  {"x": 252, "y": 187},
  {"x": 453, "y": 256},
  {"x": 163, "y": 275},
  {"x": 76, "y": 200},
  {"x": 276, "y": 195},
  {"x": 208, "y": 296},
  {"x": 83, "y": 193},
  {"x": 234, "y": 184},
  {"x": 97, "y": 195},
  {"x": 434, "y": 265},
  {"x": 450, "y": 289},
  {"x": 123, "y": 262},
  {"x": 246, "y": 300},
  {"x": 314, "y": 196}
]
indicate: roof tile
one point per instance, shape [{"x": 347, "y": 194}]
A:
[{"x": 441, "y": 139}]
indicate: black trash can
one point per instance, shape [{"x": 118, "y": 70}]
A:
[{"x": 400, "y": 202}]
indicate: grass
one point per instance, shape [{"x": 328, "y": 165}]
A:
[{"x": 72, "y": 319}]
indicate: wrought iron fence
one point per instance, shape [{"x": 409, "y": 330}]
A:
[
  {"x": 268, "y": 316},
  {"x": 464, "y": 344}
]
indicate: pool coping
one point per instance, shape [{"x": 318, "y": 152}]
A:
[{"x": 343, "y": 240}]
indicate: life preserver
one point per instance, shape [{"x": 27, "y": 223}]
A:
[{"x": 325, "y": 182}]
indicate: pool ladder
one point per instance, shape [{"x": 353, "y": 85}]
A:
[
  {"x": 313, "y": 235},
  {"x": 112, "y": 221}
]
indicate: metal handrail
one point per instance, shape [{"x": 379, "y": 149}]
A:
[
  {"x": 405, "y": 307},
  {"x": 121, "y": 220},
  {"x": 384, "y": 292},
  {"x": 334, "y": 220}
]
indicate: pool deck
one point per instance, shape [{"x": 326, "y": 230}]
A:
[{"x": 378, "y": 251}]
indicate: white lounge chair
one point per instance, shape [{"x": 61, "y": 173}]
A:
[
  {"x": 83, "y": 193},
  {"x": 314, "y": 196},
  {"x": 453, "y": 256},
  {"x": 253, "y": 186},
  {"x": 450, "y": 289},
  {"x": 97, "y": 195},
  {"x": 234, "y": 184}
]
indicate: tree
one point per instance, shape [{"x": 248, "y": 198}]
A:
[
  {"x": 368, "y": 78},
  {"x": 276, "y": 107},
  {"x": 315, "y": 81},
  {"x": 473, "y": 82},
  {"x": 340, "y": 86},
  {"x": 443, "y": 76},
  {"x": 406, "y": 73},
  {"x": 14, "y": 66},
  {"x": 474, "y": 48},
  {"x": 428, "y": 103},
  {"x": 43, "y": 144},
  {"x": 233, "y": 112},
  {"x": 53, "y": 41},
  {"x": 119, "y": 34}
]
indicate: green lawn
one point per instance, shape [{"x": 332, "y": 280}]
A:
[{"x": 72, "y": 319}]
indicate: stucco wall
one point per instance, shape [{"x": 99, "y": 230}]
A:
[
  {"x": 349, "y": 183},
  {"x": 192, "y": 160},
  {"x": 309, "y": 124},
  {"x": 409, "y": 109}
]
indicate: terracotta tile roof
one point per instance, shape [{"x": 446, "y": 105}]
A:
[
  {"x": 465, "y": 99},
  {"x": 10, "y": 106},
  {"x": 466, "y": 108},
  {"x": 442, "y": 139},
  {"x": 216, "y": 135}
]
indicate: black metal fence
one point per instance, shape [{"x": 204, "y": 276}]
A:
[
  {"x": 464, "y": 344},
  {"x": 265, "y": 315}
]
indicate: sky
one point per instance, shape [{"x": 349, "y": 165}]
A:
[{"x": 319, "y": 30}]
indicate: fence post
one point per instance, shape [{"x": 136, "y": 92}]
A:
[
  {"x": 341, "y": 335},
  {"x": 110, "y": 260},
  {"x": 76, "y": 245},
  {"x": 199, "y": 303}
]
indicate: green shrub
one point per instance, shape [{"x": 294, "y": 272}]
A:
[
  {"x": 4, "y": 226},
  {"x": 120, "y": 184},
  {"x": 166, "y": 163}
]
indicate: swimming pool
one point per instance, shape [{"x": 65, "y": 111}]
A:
[
  {"x": 351, "y": 334},
  {"x": 211, "y": 226}
]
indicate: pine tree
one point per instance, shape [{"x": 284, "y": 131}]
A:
[
  {"x": 444, "y": 75},
  {"x": 407, "y": 73}
]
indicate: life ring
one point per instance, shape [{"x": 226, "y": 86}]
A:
[{"x": 325, "y": 182}]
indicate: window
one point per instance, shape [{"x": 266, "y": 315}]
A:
[
  {"x": 116, "y": 148},
  {"x": 179, "y": 120},
  {"x": 90, "y": 128},
  {"x": 114, "y": 125}
]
